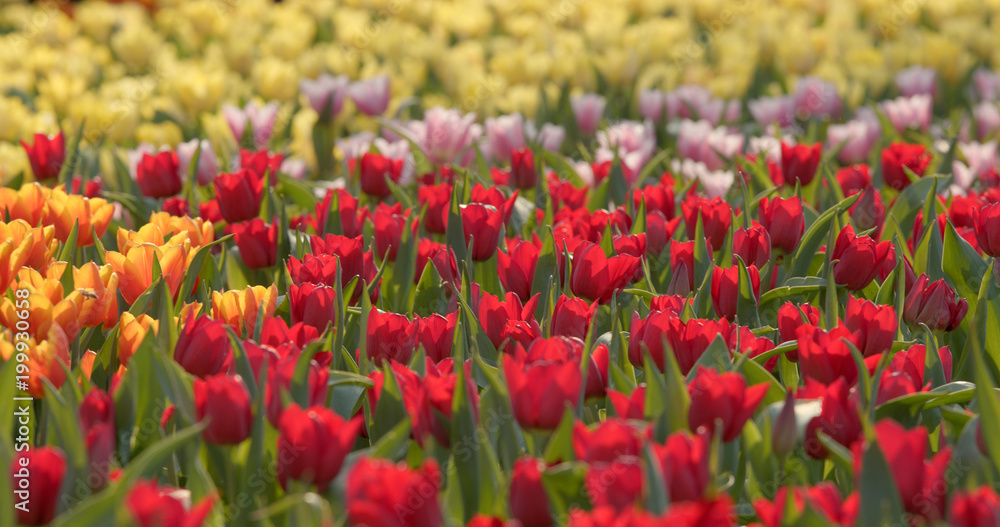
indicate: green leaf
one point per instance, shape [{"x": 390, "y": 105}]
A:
[
  {"x": 464, "y": 432},
  {"x": 880, "y": 502},
  {"x": 72, "y": 157}
]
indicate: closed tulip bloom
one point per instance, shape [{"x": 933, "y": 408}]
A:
[
  {"x": 325, "y": 94},
  {"x": 280, "y": 381},
  {"x": 859, "y": 259},
  {"x": 606, "y": 442},
  {"x": 724, "y": 397},
  {"x": 96, "y": 408},
  {"x": 46, "y": 155},
  {"x": 899, "y": 155},
  {"x": 390, "y": 337},
  {"x": 684, "y": 460},
  {"x": 225, "y": 401},
  {"x": 379, "y": 491},
  {"x": 151, "y": 506},
  {"x": 688, "y": 340},
  {"x": 987, "y": 225},
  {"x": 555, "y": 350},
  {"x": 257, "y": 242},
  {"x": 239, "y": 195},
  {"x": 626, "y": 475},
  {"x": 529, "y": 503},
  {"x": 481, "y": 225},
  {"x": 131, "y": 332},
  {"x": 752, "y": 245},
  {"x": 522, "y": 169},
  {"x": 799, "y": 163},
  {"x": 824, "y": 356},
  {"x": 726, "y": 289},
  {"x": 597, "y": 277},
  {"x": 157, "y": 175},
  {"x": 517, "y": 268},
  {"x": 936, "y": 305},
  {"x": 371, "y": 96},
  {"x": 313, "y": 305},
  {"x": 319, "y": 269},
  {"x": 977, "y": 508},
  {"x": 495, "y": 314},
  {"x": 203, "y": 347},
  {"x": 36, "y": 476},
  {"x": 588, "y": 110},
  {"x": 312, "y": 445},
  {"x": 540, "y": 392},
  {"x": 629, "y": 406},
  {"x": 376, "y": 169},
  {"x": 839, "y": 417},
  {"x": 572, "y": 317},
  {"x": 716, "y": 217},
  {"x": 873, "y": 326},
  {"x": 784, "y": 222},
  {"x": 682, "y": 264},
  {"x": 790, "y": 317},
  {"x": 437, "y": 334}
]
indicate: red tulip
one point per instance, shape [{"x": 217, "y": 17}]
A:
[
  {"x": 350, "y": 220},
  {"x": 381, "y": 493},
  {"x": 726, "y": 289},
  {"x": 597, "y": 277},
  {"x": 607, "y": 442},
  {"x": 152, "y": 506},
  {"x": 517, "y": 268},
  {"x": 790, "y": 317},
  {"x": 752, "y": 245},
  {"x": 912, "y": 361},
  {"x": 629, "y": 406},
  {"x": 496, "y": 199},
  {"x": 935, "y": 305},
  {"x": 987, "y": 225},
  {"x": 572, "y": 316},
  {"x": 97, "y": 420},
  {"x": 977, "y": 508},
  {"x": 46, "y": 155},
  {"x": 279, "y": 381},
  {"x": 724, "y": 397},
  {"x": 899, "y": 155},
  {"x": 157, "y": 175},
  {"x": 225, "y": 400},
  {"x": 275, "y": 332},
  {"x": 481, "y": 520},
  {"x": 313, "y": 305},
  {"x": 658, "y": 231},
  {"x": 239, "y": 195},
  {"x": 873, "y": 326},
  {"x": 799, "y": 163},
  {"x": 36, "y": 477},
  {"x": 436, "y": 335},
  {"x": 210, "y": 211},
  {"x": 312, "y": 444},
  {"x": 261, "y": 163},
  {"x": 522, "y": 168},
  {"x": 670, "y": 303},
  {"x": 868, "y": 212},
  {"x": 920, "y": 482},
  {"x": 389, "y": 224},
  {"x": 658, "y": 197},
  {"x": 96, "y": 408},
  {"x": 839, "y": 418},
  {"x": 853, "y": 179},
  {"x": 495, "y": 315},
  {"x": 682, "y": 264},
  {"x": 824, "y": 356},
  {"x": 541, "y": 392},
  {"x": 617, "y": 485},
  {"x": 688, "y": 340},
  {"x": 716, "y": 217},
  {"x": 176, "y": 206},
  {"x": 684, "y": 462},
  {"x": 481, "y": 225},
  {"x": 742, "y": 340},
  {"x": 203, "y": 347},
  {"x": 437, "y": 198},
  {"x": 784, "y": 221},
  {"x": 313, "y": 269},
  {"x": 824, "y": 499},
  {"x": 858, "y": 259},
  {"x": 529, "y": 503},
  {"x": 390, "y": 337},
  {"x": 376, "y": 169},
  {"x": 556, "y": 350},
  {"x": 354, "y": 260},
  {"x": 258, "y": 242}
]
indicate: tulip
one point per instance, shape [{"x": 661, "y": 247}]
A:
[
  {"x": 151, "y": 506},
  {"x": 987, "y": 225},
  {"x": 682, "y": 265},
  {"x": 242, "y": 308},
  {"x": 784, "y": 222},
  {"x": 769, "y": 111},
  {"x": 504, "y": 135},
  {"x": 280, "y": 381},
  {"x": 683, "y": 460},
  {"x": 389, "y": 224},
  {"x": 724, "y": 397},
  {"x": 588, "y": 110},
  {"x": 799, "y": 162},
  {"x": 918, "y": 481},
  {"x": 909, "y": 112},
  {"x": 517, "y": 268},
  {"x": 977, "y": 508},
  {"x": 669, "y": 303},
  {"x": 784, "y": 432},
  {"x": 873, "y": 326},
  {"x": 46, "y": 156},
  {"x": 572, "y": 317},
  {"x": 935, "y": 305},
  {"x": 912, "y": 363},
  {"x": 716, "y": 217},
  {"x": 64, "y": 211},
  {"x": 529, "y": 503},
  {"x": 651, "y": 105},
  {"x": 437, "y": 198},
  {"x": 207, "y": 164},
  {"x": 607, "y": 442},
  {"x": 225, "y": 401},
  {"x": 437, "y": 334},
  {"x": 36, "y": 476},
  {"x": 390, "y": 337},
  {"x": 557, "y": 350},
  {"x": 815, "y": 97},
  {"x": 157, "y": 175},
  {"x": 95, "y": 409},
  {"x": 597, "y": 277},
  {"x": 629, "y": 406},
  {"x": 376, "y": 170},
  {"x": 726, "y": 289},
  {"x": 824, "y": 501},
  {"x": 858, "y": 259},
  {"x": 688, "y": 340},
  {"x": 752, "y": 245},
  {"x": 318, "y": 269},
  {"x": 257, "y": 242},
  {"x": 493, "y": 197},
  {"x": 618, "y": 485},
  {"x": 541, "y": 392},
  {"x": 839, "y": 417},
  {"x": 824, "y": 356},
  {"x": 494, "y": 314},
  {"x": 239, "y": 195},
  {"x": 900, "y": 155},
  {"x": 313, "y": 305},
  {"x": 325, "y": 94},
  {"x": 131, "y": 332},
  {"x": 312, "y": 445},
  {"x": 481, "y": 225},
  {"x": 203, "y": 347},
  {"x": 276, "y": 332},
  {"x": 371, "y": 96},
  {"x": 917, "y": 80},
  {"x": 790, "y": 317},
  {"x": 522, "y": 170},
  {"x": 382, "y": 493},
  {"x": 97, "y": 420},
  {"x": 262, "y": 164}
]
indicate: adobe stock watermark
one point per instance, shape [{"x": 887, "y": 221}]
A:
[{"x": 22, "y": 403}]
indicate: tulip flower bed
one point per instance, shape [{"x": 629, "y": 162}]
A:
[{"x": 673, "y": 309}]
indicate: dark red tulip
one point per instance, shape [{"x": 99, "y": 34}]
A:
[
  {"x": 210, "y": 211},
  {"x": 437, "y": 198},
  {"x": 572, "y": 316},
  {"x": 853, "y": 179},
  {"x": 557, "y": 350},
  {"x": 597, "y": 277},
  {"x": 152, "y": 506},
  {"x": 376, "y": 170},
  {"x": 36, "y": 477},
  {"x": 987, "y": 225},
  {"x": 977, "y": 508},
  {"x": 312, "y": 444},
  {"x": 96, "y": 408},
  {"x": 389, "y": 224},
  {"x": 824, "y": 356},
  {"x": 936, "y": 305},
  {"x": 176, "y": 206},
  {"x": 684, "y": 461},
  {"x": 859, "y": 259},
  {"x": 100, "y": 443},
  {"x": 716, "y": 217},
  {"x": 436, "y": 335},
  {"x": 899, "y": 155},
  {"x": 540, "y": 392},
  {"x": 629, "y": 406},
  {"x": 799, "y": 163},
  {"x": 784, "y": 221},
  {"x": 314, "y": 269},
  {"x": 225, "y": 401},
  {"x": 839, "y": 418},
  {"x": 517, "y": 268},
  {"x": 753, "y": 245},
  {"x": 261, "y": 163},
  {"x": 790, "y": 317},
  {"x": 726, "y": 289},
  {"x": 157, "y": 175},
  {"x": 258, "y": 242},
  {"x": 659, "y": 231},
  {"x": 688, "y": 340},
  {"x": 481, "y": 225},
  {"x": 313, "y": 305},
  {"x": 381, "y": 493},
  {"x": 682, "y": 264},
  {"x": 203, "y": 346},
  {"x": 868, "y": 212},
  {"x": 46, "y": 155},
  {"x": 724, "y": 397},
  {"x": 239, "y": 195},
  {"x": 495, "y": 314},
  {"x": 522, "y": 169},
  {"x": 529, "y": 503},
  {"x": 390, "y": 337},
  {"x": 873, "y": 326},
  {"x": 279, "y": 382}
]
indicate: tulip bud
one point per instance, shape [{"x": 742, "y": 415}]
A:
[
  {"x": 934, "y": 305},
  {"x": 784, "y": 431},
  {"x": 203, "y": 346},
  {"x": 36, "y": 477},
  {"x": 799, "y": 162},
  {"x": 225, "y": 400},
  {"x": 46, "y": 155},
  {"x": 529, "y": 503}
]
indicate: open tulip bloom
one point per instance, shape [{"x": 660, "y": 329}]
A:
[{"x": 301, "y": 263}]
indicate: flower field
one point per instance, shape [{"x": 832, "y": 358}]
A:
[{"x": 443, "y": 263}]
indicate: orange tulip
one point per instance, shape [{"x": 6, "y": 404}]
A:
[
  {"x": 45, "y": 306},
  {"x": 135, "y": 267},
  {"x": 240, "y": 308},
  {"x": 27, "y": 203},
  {"x": 64, "y": 210},
  {"x": 46, "y": 359},
  {"x": 12, "y": 257},
  {"x": 131, "y": 331},
  {"x": 98, "y": 287},
  {"x": 38, "y": 242},
  {"x": 199, "y": 231}
]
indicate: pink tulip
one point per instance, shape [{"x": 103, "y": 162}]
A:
[
  {"x": 778, "y": 110},
  {"x": 909, "y": 112},
  {"x": 326, "y": 93},
  {"x": 208, "y": 164},
  {"x": 371, "y": 96},
  {"x": 815, "y": 97},
  {"x": 987, "y": 84},
  {"x": 588, "y": 110},
  {"x": 917, "y": 80},
  {"x": 651, "y": 104},
  {"x": 699, "y": 141},
  {"x": 504, "y": 134}
]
